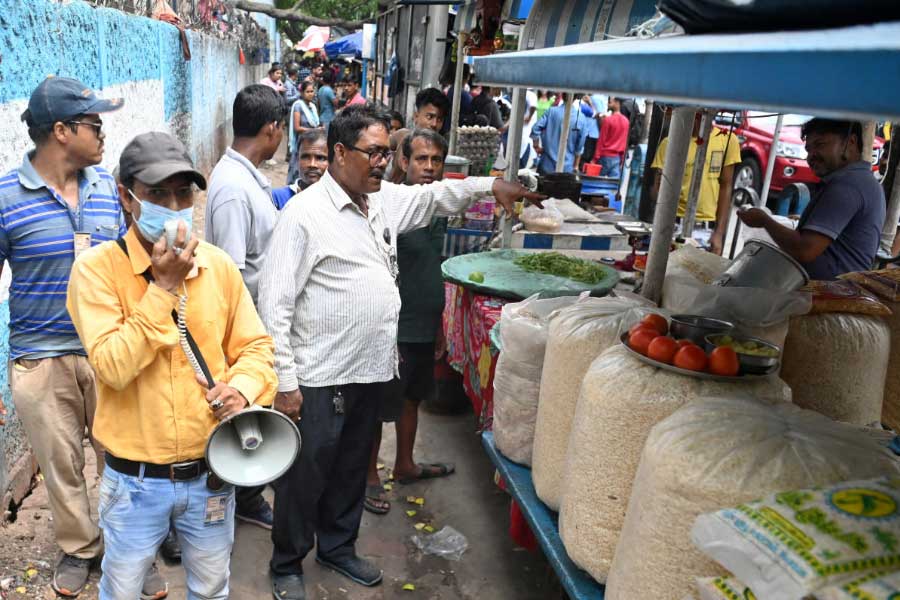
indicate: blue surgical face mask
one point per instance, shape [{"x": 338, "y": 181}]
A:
[{"x": 152, "y": 222}]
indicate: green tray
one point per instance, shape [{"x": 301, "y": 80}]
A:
[{"x": 504, "y": 279}]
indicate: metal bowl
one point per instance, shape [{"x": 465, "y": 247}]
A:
[
  {"x": 696, "y": 328},
  {"x": 750, "y": 363}
]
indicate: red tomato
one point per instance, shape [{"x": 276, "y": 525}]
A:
[
  {"x": 691, "y": 358},
  {"x": 657, "y": 322},
  {"x": 638, "y": 326},
  {"x": 662, "y": 349},
  {"x": 724, "y": 361},
  {"x": 640, "y": 340},
  {"x": 685, "y": 342}
]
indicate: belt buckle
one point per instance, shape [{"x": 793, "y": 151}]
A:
[{"x": 184, "y": 468}]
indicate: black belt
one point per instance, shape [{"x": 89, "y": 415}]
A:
[{"x": 183, "y": 471}]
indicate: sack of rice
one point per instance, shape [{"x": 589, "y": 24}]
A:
[
  {"x": 517, "y": 379},
  {"x": 697, "y": 263},
  {"x": 723, "y": 588},
  {"x": 578, "y": 335},
  {"x": 836, "y": 364},
  {"x": 793, "y": 543},
  {"x": 717, "y": 453},
  {"x": 621, "y": 400},
  {"x": 880, "y": 585}
]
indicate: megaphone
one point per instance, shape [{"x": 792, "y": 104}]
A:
[{"x": 252, "y": 447}]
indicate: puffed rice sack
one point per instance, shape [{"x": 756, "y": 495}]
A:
[
  {"x": 836, "y": 364},
  {"x": 577, "y": 336},
  {"x": 718, "y": 453},
  {"x": 621, "y": 400}
]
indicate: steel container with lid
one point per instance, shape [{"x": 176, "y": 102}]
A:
[
  {"x": 762, "y": 265},
  {"x": 457, "y": 164}
]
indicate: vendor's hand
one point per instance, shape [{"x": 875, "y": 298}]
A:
[
  {"x": 753, "y": 217},
  {"x": 232, "y": 400},
  {"x": 507, "y": 193},
  {"x": 168, "y": 268},
  {"x": 289, "y": 403},
  {"x": 716, "y": 242}
]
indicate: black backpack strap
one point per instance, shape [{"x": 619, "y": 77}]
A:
[{"x": 187, "y": 334}]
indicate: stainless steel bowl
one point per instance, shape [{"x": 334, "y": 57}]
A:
[
  {"x": 750, "y": 363},
  {"x": 762, "y": 265},
  {"x": 696, "y": 328}
]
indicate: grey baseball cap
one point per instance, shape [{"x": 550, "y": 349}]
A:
[
  {"x": 152, "y": 157},
  {"x": 60, "y": 98}
]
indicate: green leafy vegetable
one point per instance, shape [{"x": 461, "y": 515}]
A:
[{"x": 554, "y": 263}]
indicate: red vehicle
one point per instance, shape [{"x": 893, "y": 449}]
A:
[{"x": 755, "y": 131}]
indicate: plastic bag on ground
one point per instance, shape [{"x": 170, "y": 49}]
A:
[
  {"x": 836, "y": 364},
  {"x": 793, "y": 543},
  {"x": 723, "y": 588},
  {"x": 542, "y": 220},
  {"x": 621, "y": 400},
  {"x": 448, "y": 543},
  {"x": 718, "y": 453},
  {"x": 577, "y": 335},
  {"x": 877, "y": 586},
  {"x": 517, "y": 379}
]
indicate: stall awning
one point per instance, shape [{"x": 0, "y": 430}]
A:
[
  {"x": 555, "y": 23},
  {"x": 847, "y": 72},
  {"x": 517, "y": 10},
  {"x": 466, "y": 16}
]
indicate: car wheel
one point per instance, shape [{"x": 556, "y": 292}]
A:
[{"x": 748, "y": 174}]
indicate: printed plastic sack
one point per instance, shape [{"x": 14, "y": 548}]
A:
[
  {"x": 577, "y": 335},
  {"x": 621, "y": 400},
  {"x": 542, "y": 220},
  {"x": 837, "y": 363},
  {"x": 717, "y": 453},
  {"x": 876, "y": 586},
  {"x": 723, "y": 588},
  {"x": 517, "y": 380},
  {"x": 792, "y": 543}
]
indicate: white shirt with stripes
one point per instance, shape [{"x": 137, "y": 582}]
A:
[{"x": 328, "y": 291}]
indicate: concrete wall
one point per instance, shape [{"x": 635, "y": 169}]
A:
[{"x": 122, "y": 56}]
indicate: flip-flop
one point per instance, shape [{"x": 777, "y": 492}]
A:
[
  {"x": 374, "y": 496},
  {"x": 429, "y": 471}
]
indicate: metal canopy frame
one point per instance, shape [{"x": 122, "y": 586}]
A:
[{"x": 851, "y": 72}]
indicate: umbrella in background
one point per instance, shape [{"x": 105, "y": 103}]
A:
[
  {"x": 314, "y": 38},
  {"x": 349, "y": 45}
]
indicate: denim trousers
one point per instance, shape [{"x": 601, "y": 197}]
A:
[
  {"x": 135, "y": 514},
  {"x": 611, "y": 166}
]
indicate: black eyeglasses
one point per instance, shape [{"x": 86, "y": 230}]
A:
[
  {"x": 98, "y": 125},
  {"x": 375, "y": 156}
]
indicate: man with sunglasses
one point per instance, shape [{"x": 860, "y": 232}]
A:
[
  {"x": 330, "y": 300},
  {"x": 129, "y": 302},
  {"x": 54, "y": 206}
]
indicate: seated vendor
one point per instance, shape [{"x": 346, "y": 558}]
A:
[{"x": 840, "y": 229}]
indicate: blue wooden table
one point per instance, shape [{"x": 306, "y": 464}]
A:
[{"x": 544, "y": 524}]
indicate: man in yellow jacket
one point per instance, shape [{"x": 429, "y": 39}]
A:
[{"x": 153, "y": 415}]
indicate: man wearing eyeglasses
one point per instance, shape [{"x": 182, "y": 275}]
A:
[
  {"x": 330, "y": 300},
  {"x": 56, "y": 205},
  {"x": 128, "y": 301}
]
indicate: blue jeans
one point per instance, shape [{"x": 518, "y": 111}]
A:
[
  {"x": 135, "y": 514},
  {"x": 611, "y": 166}
]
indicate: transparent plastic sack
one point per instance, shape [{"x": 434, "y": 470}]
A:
[
  {"x": 793, "y": 543},
  {"x": 621, "y": 400},
  {"x": 696, "y": 263},
  {"x": 717, "y": 453},
  {"x": 517, "y": 379},
  {"x": 447, "y": 543},
  {"x": 542, "y": 220},
  {"x": 836, "y": 364},
  {"x": 577, "y": 335}
]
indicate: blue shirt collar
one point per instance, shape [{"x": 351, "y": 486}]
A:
[{"x": 30, "y": 179}]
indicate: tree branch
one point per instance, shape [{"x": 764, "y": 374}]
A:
[{"x": 294, "y": 15}]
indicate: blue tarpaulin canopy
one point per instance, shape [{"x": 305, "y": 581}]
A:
[{"x": 349, "y": 45}]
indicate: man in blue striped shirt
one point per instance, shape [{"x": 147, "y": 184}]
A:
[{"x": 56, "y": 205}]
